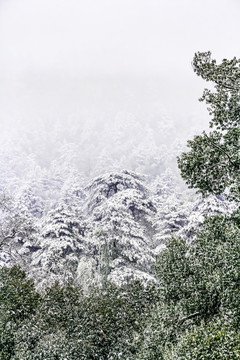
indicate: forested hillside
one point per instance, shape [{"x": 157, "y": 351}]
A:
[{"x": 98, "y": 262}]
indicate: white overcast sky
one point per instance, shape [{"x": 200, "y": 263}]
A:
[
  {"x": 114, "y": 36},
  {"x": 102, "y": 38}
]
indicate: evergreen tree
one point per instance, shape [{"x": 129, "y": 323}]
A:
[
  {"x": 213, "y": 162},
  {"x": 198, "y": 286},
  {"x": 60, "y": 246},
  {"x": 122, "y": 225},
  {"x": 97, "y": 326},
  {"x": 198, "y": 314},
  {"x": 18, "y": 302},
  {"x": 18, "y": 233}
]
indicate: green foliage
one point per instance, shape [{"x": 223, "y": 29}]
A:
[
  {"x": 64, "y": 323},
  {"x": 18, "y": 301},
  {"x": 203, "y": 277},
  {"x": 213, "y": 162},
  {"x": 223, "y": 104},
  {"x": 49, "y": 334},
  {"x": 117, "y": 315},
  {"x": 101, "y": 325},
  {"x": 198, "y": 284},
  {"x": 208, "y": 342},
  {"x": 160, "y": 332}
]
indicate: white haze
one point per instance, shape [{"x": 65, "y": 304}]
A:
[{"x": 74, "y": 70}]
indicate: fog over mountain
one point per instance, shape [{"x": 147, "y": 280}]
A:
[
  {"x": 118, "y": 118},
  {"x": 67, "y": 64}
]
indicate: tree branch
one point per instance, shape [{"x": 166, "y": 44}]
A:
[
  {"x": 235, "y": 165},
  {"x": 228, "y": 87},
  {"x": 191, "y": 316},
  {"x": 8, "y": 237}
]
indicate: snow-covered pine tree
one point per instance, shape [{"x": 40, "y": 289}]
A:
[
  {"x": 18, "y": 234},
  {"x": 203, "y": 208},
  {"x": 61, "y": 244},
  {"x": 173, "y": 207},
  {"x": 121, "y": 212}
]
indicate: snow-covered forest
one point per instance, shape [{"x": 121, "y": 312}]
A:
[
  {"x": 126, "y": 264},
  {"x": 71, "y": 213},
  {"x": 119, "y": 191}
]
